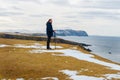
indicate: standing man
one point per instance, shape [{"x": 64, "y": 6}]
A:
[{"x": 49, "y": 31}]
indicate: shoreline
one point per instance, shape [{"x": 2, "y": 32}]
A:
[
  {"x": 29, "y": 59},
  {"x": 106, "y": 47},
  {"x": 58, "y": 40},
  {"x": 28, "y": 56},
  {"x": 44, "y": 38}
]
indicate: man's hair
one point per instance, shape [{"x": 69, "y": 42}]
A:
[{"x": 49, "y": 20}]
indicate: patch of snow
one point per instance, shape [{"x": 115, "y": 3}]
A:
[
  {"x": 12, "y": 79},
  {"x": 26, "y": 46},
  {"x": 34, "y": 46},
  {"x": 110, "y": 76},
  {"x": 46, "y": 78},
  {"x": 81, "y": 56},
  {"x": 3, "y": 45},
  {"x": 53, "y": 47},
  {"x": 20, "y": 79},
  {"x": 73, "y": 75}
]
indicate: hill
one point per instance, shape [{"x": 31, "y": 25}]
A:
[
  {"x": 70, "y": 32},
  {"x": 67, "y": 32},
  {"x": 29, "y": 60},
  {"x": 42, "y": 38}
]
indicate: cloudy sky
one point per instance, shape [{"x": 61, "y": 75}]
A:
[{"x": 97, "y": 17}]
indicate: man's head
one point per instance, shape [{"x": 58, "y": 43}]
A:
[{"x": 50, "y": 20}]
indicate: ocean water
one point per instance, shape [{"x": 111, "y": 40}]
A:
[{"x": 107, "y": 47}]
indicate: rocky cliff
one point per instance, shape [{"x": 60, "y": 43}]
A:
[
  {"x": 57, "y": 40},
  {"x": 70, "y": 32}
]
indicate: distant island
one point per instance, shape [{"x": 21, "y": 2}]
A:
[
  {"x": 66, "y": 32},
  {"x": 70, "y": 32}
]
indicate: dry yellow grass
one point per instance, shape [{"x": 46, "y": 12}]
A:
[{"x": 19, "y": 63}]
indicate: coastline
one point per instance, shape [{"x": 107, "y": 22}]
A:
[
  {"x": 83, "y": 46},
  {"x": 107, "y": 47},
  {"x": 27, "y": 56},
  {"x": 44, "y": 38}
]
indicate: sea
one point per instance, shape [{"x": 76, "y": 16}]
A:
[{"x": 104, "y": 46}]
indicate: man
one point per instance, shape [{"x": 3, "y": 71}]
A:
[{"x": 49, "y": 31}]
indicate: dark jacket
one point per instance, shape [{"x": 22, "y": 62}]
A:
[{"x": 49, "y": 29}]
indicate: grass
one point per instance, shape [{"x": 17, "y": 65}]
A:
[{"x": 19, "y": 63}]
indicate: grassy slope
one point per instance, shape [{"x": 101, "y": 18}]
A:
[{"x": 19, "y": 63}]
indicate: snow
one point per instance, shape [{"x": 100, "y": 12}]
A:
[
  {"x": 46, "y": 78},
  {"x": 36, "y": 45},
  {"x": 73, "y": 75},
  {"x": 3, "y": 45},
  {"x": 110, "y": 76},
  {"x": 28, "y": 46},
  {"x": 50, "y": 78},
  {"x": 39, "y": 48},
  {"x": 81, "y": 56},
  {"x": 15, "y": 79},
  {"x": 20, "y": 79}
]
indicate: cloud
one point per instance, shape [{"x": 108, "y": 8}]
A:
[
  {"x": 11, "y": 14},
  {"x": 109, "y": 4},
  {"x": 17, "y": 1},
  {"x": 3, "y": 9},
  {"x": 96, "y": 14},
  {"x": 40, "y": 15},
  {"x": 31, "y": 14},
  {"x": 59, "y": 2},
  {"x": 90, "y": 13},
  {"x": 16, "y": 8},
  {"x": 5, "y": 20}
]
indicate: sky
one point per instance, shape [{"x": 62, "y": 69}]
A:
[{"x": 96, "y": 17}]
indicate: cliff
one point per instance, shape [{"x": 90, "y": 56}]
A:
[
  {"x": 66, "y": 32},
  {"x": 41, "y": 38},
  {"x": 70, "y": 32}
]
